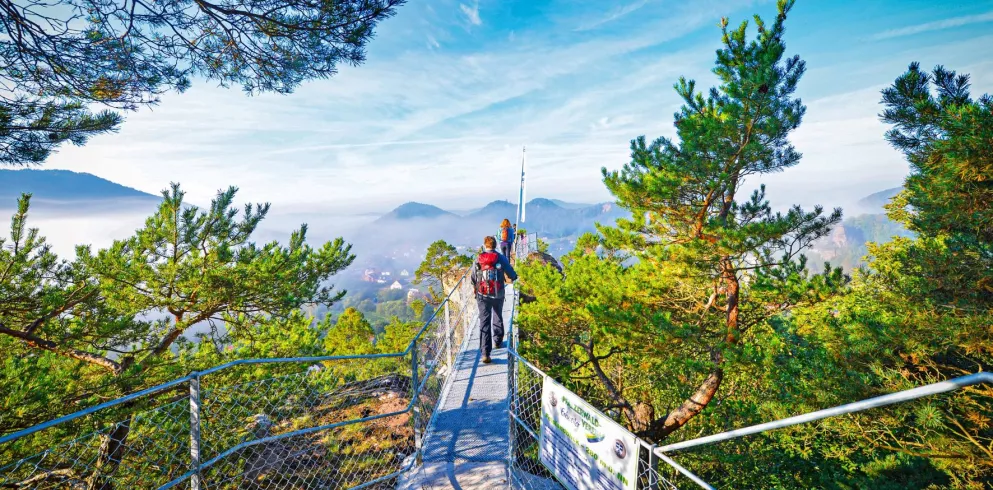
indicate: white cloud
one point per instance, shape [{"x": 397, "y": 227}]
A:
[
  {"x": 432, "y": 42},
  {"x": 613, "y": 15},
  {"x": 446, "y": 126},
  {"x": 471, "y": 13},
  {"x": 935, "y": 26}
]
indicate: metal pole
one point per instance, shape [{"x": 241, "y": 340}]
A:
[
  {"x": 687, "y": 473},
  {"x": 195, "y": 431},
  {"x": 512, "y": 402},
  {"x": 653, "y": 469},
  {"x": 448, "y": 336},
  {"x": 415, "y": 411},
  {"x": 879, "y": 401},
  {"x": 520, "y": 197}
]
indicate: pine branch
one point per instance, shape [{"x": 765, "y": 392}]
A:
[{"x": 50, "y": 346}]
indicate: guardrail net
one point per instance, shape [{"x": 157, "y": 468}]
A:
[{"x": 308, "y": 423}]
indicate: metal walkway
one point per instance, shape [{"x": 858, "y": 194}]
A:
[{"x": 466, "y": 442}]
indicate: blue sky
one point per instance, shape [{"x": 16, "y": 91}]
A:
[{"x": 452, "y": 89}]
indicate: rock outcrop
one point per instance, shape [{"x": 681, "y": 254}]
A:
[{"x": 544, "y": 258}]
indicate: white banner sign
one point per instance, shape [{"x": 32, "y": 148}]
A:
[{"x": 584, "y": 448}]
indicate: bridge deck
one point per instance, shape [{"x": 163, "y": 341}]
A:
[{"x": 466, "y": 444}]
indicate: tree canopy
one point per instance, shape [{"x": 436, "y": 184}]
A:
[
  {"x": 439, "y": 261},
  {"x": 61, "y": 57},
  {"x": 114, "y": 320},
  {"x": 725, "y": 264},
  {"x": 700, "y": 314}
]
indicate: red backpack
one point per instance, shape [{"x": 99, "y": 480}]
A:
[
  {"x": 489, "y": 276},
  {"x": 504, "y": 234}
]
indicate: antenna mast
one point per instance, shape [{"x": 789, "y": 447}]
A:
[{"x": 520, "y": 197}]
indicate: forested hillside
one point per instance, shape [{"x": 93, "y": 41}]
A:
[{"x": 699, "y": 313}]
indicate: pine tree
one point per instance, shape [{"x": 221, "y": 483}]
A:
[
  {"x": 61, "y": 57},
  {"x": 947, "y": 138},
  {"x": 439, "y": 262},
  {"x": 705, "y": 245},
  {"x": 351, "y": 334},
  {"x": 922, "y": 311},
  {"x": 109, "y": 322}
]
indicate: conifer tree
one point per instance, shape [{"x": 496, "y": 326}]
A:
[
  {"x": 709, "y": 247},
  {"x": 111, "y": 321},
  {"x": 351, "y": 334},
  {"x": 947, "y": 138},
  {"x": 61, "y": 57},
  {"x": 439, "y": 261}
]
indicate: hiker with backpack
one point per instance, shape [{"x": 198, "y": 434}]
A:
[
  {"x": 488, "y": 272},
  {"x": 506, "y": 238}
]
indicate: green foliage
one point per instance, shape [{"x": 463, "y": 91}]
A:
[
  {"x": 350, "y": 335},
  {"x": 125, "y": 58},
  {"x": 385, "y": 295},
  {"x": 439, "y": 262},
  {"x": 642, "y": 310},
  {"x": 542, "y": 245},
  {"x": 113, "y": 321},
  {"x": 948, "y": 139},
  {"x": 718, "y": 267},
  {"x": 630, "y": 325},
  {"x": 397, "y": 336},
  {"x": 30, "y": 130},
  {"x": 922, "y": 310}
]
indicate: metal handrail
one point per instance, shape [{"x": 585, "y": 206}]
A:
[
  {"x": 859, "y": 406},
  {"x": 176, "y": 382},
  {"x": 435, "y": 313}
]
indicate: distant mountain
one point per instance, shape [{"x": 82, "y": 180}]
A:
[
  {"x": 409, "y": 228},
  {"x": 415, "y": 210},
  {"x": 513, "y": 207},
  {"x": 846, "y": 246},
  {"x": 873, "y": 203},
  {"x": 496, "y": 212},
  {"x": 570, "y": 205},
  {"x": 63, "y": 186}
]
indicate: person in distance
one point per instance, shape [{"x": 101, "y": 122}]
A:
[
  {"x": 506, "y": 238},
  {"x": 488, "y": 275}
]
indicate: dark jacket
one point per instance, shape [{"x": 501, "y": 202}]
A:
[{"x": 508, "y": 269}]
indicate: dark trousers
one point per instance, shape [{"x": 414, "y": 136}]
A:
[
  {"x": 505, "y": 248},
  {"x": 490, "y": 313}
]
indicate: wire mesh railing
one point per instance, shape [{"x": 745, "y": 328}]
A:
[
  {"x": 525, "y": 245},
  {"x": 526, "y": 469},
  {"x": 657, "y": 468},
  {"x": 331, "y": 422}
]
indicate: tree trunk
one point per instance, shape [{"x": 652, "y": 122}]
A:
[
  {"x": 644, "y": 415},
  {"x": 732, "y": 288},
  {"x": 695, "y": 404},
  {"x": 660, "y": 429},
  {"x": 112, "y": 450}
]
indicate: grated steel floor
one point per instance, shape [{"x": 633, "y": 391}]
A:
[{"x": 466, "y": 444}]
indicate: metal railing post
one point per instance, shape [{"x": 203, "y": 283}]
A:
[
  {"x": 415, "y": 410},
  {"x": 653, "y": 469},
  {"x": 195, "y": 431},
  {"x": 449, "y": 332},
  {"x": 512, "y": 402}
]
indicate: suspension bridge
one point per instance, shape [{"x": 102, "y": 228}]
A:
[{"x": 430, "y": 417}]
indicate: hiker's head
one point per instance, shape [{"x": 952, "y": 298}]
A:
[
  {"x": 489, "y": 242},
  {"x": 505, "y": 223}
]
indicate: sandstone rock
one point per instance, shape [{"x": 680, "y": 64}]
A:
[{"x": 544, "y": 258}]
